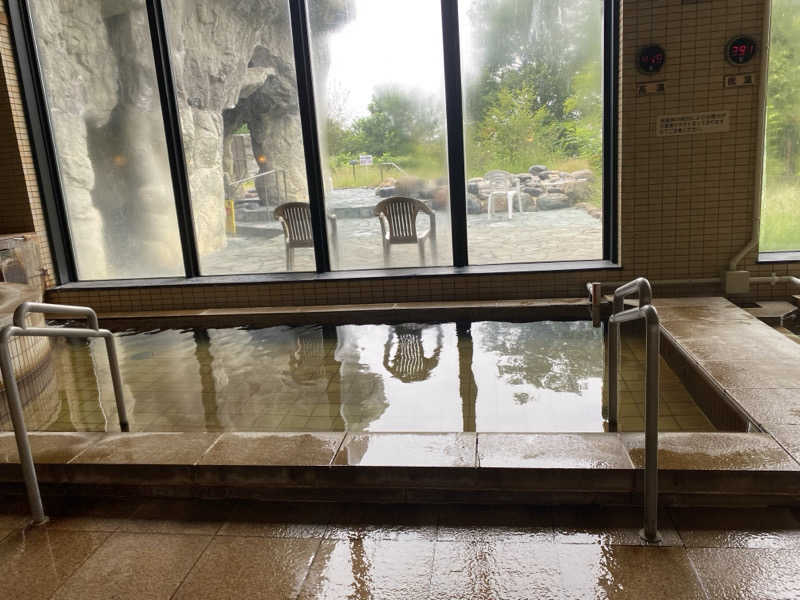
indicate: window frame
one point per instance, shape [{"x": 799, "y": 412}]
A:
[
  {"x": 46, "y": 163},
  {"x": 768, "y": 256}
]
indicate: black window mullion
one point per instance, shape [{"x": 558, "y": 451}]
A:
[
  {"x": 40, "y": 129},
  {"x": 610, "y": 129},
  {"x": 455, "y": 131},
  {"x": 172, "y": 131},
  {"x": 308, "y": 120}
]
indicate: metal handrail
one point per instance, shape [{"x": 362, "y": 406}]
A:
[
  {"x": 645, "y": 311},
  {"x": 21, "y": 329},
  {"x": 644, "y": 290}
]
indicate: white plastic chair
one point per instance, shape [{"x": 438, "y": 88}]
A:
[{"x": 502, "y": 182}]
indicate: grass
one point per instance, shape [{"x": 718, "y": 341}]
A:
[{"x": 780, "y": 218}]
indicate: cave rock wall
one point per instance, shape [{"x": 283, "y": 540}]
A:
[{"x": 232, "y": 63}]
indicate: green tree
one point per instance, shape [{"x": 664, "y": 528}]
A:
[
  {"x": 538, "y": 95},
  {"x": 584, "y": 115},
  {"x": 399, "y": 120},
  {"x": 783, "y": 101},
  {"x": 341, "y": 139}
]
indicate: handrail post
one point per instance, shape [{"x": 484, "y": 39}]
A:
[
  {"x": 644, "y": 290},
  {"x": 649, "y": 533},
  {"x": 652, "y": 376},
  {"x": 20, "y": 431},
  {"x": 116, "y": 379},
  {"x": 613, "y": 365}
]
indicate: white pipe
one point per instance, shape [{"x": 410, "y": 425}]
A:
[
  {"x": 616, "y": 284},
  {"x": 773, "y": 279},
  {"x": 760, "y": 142}
]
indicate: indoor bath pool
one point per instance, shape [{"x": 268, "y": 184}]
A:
[{"x": 545, "y": 376}]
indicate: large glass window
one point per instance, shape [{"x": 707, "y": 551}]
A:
[
  {"x": 532, "y": 74},
  {"x": 780, "y": 216},
  {"x": 99, "y": 79},
  {"x": 235, "y": 82},
  {"x": 379, "y": 82},
  {"x": 230, "y": 78}
]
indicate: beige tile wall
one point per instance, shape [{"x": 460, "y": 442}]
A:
[
  {"x": 13, "y": 194},
  {"x": 685, "y": 202},
  {"x": 20, "y": 205}
]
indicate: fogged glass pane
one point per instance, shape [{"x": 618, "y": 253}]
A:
[
  {"x": 237, "y": 93},
  {"x": 533, "y": 117},
  {"x": 99, "y": 77},
  {"x": 780, "y": 217},
  {"x": 379, "y": 87}
]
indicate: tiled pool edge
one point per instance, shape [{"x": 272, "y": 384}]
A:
[
  {"x": 756, "y": 470},
  {"x": 781, "y": 426},
  {"x": 394, "y": 312},
  {"x": 701, "y": 468}
]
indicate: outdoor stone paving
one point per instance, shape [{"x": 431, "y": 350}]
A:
[{"x": 554, "y": 235}]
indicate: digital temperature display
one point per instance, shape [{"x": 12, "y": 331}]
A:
[
  {"x": 740, "y": 50},
  {"x": 651, "y": 59}
]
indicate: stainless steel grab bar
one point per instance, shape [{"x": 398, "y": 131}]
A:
[
  {"x": 645, "y": 311},
  {"x": 20, "y": 329},
  {"x": 644, "y": 290}
]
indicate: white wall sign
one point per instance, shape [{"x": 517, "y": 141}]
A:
[{"x": 706, "y": 122}]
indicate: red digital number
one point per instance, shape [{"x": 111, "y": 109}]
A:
[{"x": 742, "y": 51}]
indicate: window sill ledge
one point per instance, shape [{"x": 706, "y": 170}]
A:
[
  {"x": 779, "y": 257},
  {"x": 506, "y": 269}
]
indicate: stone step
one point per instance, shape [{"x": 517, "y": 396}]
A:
[{"x": 595, "y": 468}]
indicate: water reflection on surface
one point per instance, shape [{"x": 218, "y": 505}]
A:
[{"x": 478, "y": 376}]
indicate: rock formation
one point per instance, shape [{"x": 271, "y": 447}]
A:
[{"x": 233, "y": 63}]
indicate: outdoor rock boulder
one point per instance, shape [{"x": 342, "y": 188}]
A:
[
  {"x": 472, "y": 184},
  {"x": 533, "y": 190},
  {"x": 525, "y": 202},
  {"x": 386, "y": 191},
  {"x": 409, "y": 186},
  {"x": 524, "y": 177},
  {"x": 441, "y": 198},
  {"x": 584, "y": 174},
  {"x": 536, "y": 169},
  {"x": 474, "y": 206},
  {"x": 552, "y": 201}
]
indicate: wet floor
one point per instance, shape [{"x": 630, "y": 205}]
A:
[
  {"x": 128, "y": 548},
  {"x": 485, "y": 376}
]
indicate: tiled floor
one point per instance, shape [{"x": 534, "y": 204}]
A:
[
  {"x": 143, "y": 549},
  {"x": 486, "y": 376}
]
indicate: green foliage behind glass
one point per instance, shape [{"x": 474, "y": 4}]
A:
[
  {"x": 537, "y": 100},
  {"x": 780, "y": 219}
]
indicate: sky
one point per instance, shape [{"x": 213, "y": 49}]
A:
[{"x": 385, "y": 42}]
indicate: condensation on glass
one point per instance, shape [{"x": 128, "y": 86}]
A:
[
  {"x": 780, "y": 210},
  {"x": 532, "y": 74},
  {"x": 379, "y": 89},
  {"x": 99, "y": 78},
  {"x": 234, "y": 70}
]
